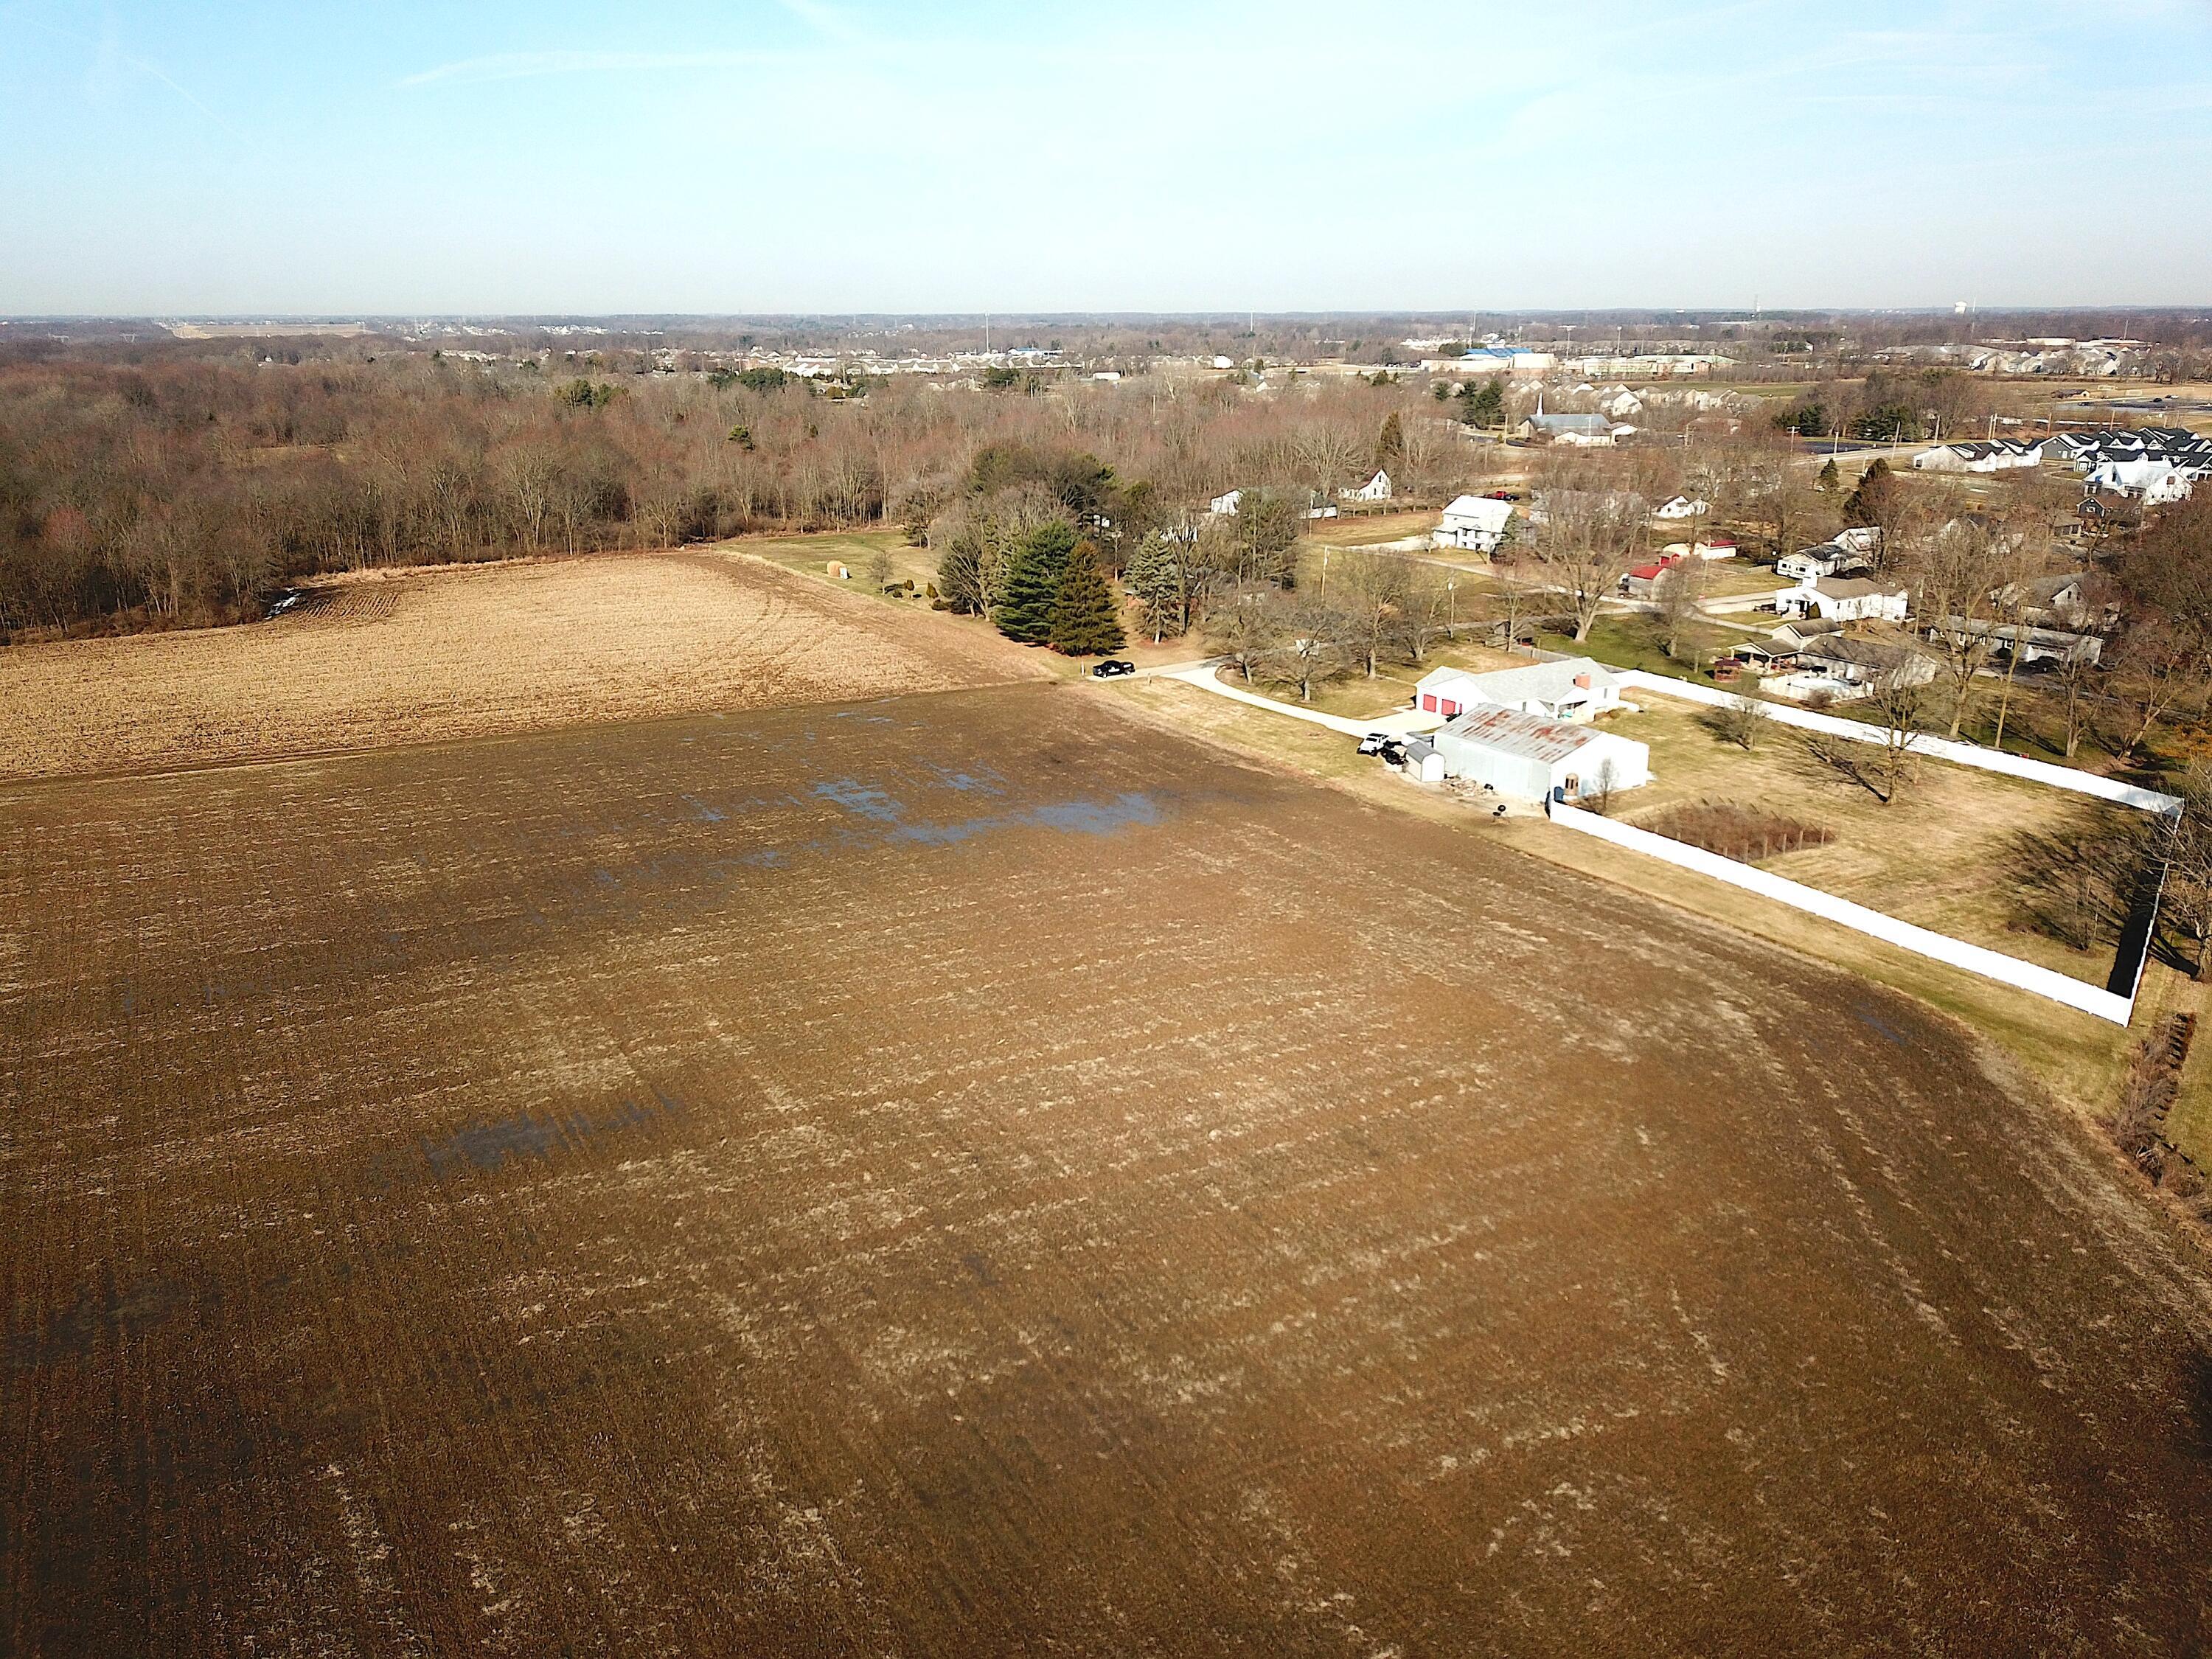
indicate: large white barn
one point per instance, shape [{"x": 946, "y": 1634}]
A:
[{"x": 1532, "y": 758}]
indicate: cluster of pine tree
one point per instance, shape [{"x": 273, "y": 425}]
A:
[{"x": 1055, "y": 593}]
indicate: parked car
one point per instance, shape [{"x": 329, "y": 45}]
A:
[
  {"x": 1393, "y": 753},
  {"x": 1112, "y": 666},
  {"x": 1373, "y": 742}
]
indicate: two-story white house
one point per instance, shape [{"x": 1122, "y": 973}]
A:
[{"x": 1478, "y": 523}]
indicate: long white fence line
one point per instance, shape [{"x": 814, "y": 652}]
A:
[
  {"x": 1944, "y": 749},
  {"x": 1204, "y": 680},
  {"x": 1941, "y": 947}
]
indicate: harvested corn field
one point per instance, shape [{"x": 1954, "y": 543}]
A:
[
  {"x": 968, "y": 1174},
  {"x": 467, "y": 650}
]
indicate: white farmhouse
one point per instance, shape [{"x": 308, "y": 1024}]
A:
[
  {"x": 1224, "y": 506},
  {"x": 1376, "y": 489},
  {"x": 1574, "y": 689},
  {"x": 1682, "y": 507},
  {"x": 1531, "y": 759},
  {"x": 1476, "y": 522}
]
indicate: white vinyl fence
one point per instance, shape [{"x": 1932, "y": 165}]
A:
[
  {"x": 1942, "y": 749},
  {"x": 1939, "y": 947}
]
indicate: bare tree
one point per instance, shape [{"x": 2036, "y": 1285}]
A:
[
  {"x": 1901, "y": 700},
  {"x": 1245, "y": 630},
  {"x": 1675, "y": 598},
  {"x": 2156, "y": 668},
  {"x": 1959, "y": 568},
  {"x": 2076, "y": 674},
  {"x": 1308, "y": 645},
  {"x": 1375, "y": 592},
  {"x": 1588, "y": 540},
  {"x": 1881, "y": 768},
  {"x": 2187, "y": 848},
  {"x": 1742, "y": 720}
]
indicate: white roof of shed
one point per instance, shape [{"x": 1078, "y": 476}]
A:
[{"x": 1531, "y": 737}]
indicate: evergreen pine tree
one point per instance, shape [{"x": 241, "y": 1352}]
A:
[
  {"x": 1831, "y": 480},
  {"x": 1154, "y": 578},
  {"x": 1390, "y": 447},
  {"x": 1031, "y": 583},
  {"x": 1085, "y": 620}
]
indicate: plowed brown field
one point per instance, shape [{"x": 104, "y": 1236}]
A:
[
  {"x": 412, "y": 655},
  {"x": 969, "y": 1175}
]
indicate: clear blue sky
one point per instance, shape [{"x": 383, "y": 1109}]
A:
[{"x": 247, "y": 156}]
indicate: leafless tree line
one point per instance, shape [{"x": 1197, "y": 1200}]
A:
[{"x": 185, "y": 490}]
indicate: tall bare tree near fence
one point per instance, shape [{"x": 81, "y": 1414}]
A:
[{"x": 1588, "y": 540}]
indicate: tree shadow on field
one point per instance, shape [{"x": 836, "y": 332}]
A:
[
  {"x": 2078, "y": 880},
  {"x": 1844, "y": 763}
]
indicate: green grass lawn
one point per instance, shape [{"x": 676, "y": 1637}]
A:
[
  {"x": 1629, "y": 641},
  {"x": 812, "y": 554}
]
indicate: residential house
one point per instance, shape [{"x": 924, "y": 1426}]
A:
[
  {"x": 2060, "y": 602},
  {"x": 1376, "y": 489},
  {"x": 2028, "y": 643},
  {"x": 1793, "y": 636},
  {"x": 2155, "y": 481},
  {"x": 1997, "y": 455},
  {"x": 2088, "y": 450},
  {"x": 1573, "y": 688},
  {"x": 1855, "y": 667},
  {"x": 1224, "y": 506},
  {"x": 1829, "y": 559},
  {"x": 1478, "y": 523},
  {"x": 1845, "y": 599},
  {"x": 1532, "y": 758},
  {"x": 1682, "y": 507}
]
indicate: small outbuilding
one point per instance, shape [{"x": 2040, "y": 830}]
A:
[
  {"x": 1531, "y": 759},
  {"x": 1425, "y": 762}
]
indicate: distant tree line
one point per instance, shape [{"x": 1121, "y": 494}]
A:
[{"x": 160, "y": 486}]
